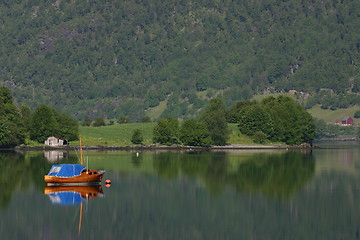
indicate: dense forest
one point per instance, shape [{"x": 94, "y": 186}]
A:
[{"x": 111, "y": 58}]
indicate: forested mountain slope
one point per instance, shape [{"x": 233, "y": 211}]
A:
[{"x": 122, "y": 57}]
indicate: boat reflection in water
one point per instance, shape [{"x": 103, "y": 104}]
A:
[{"x": 72, "y": 195}]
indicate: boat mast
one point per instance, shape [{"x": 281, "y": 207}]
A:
[{"x": 81, "y": 153}]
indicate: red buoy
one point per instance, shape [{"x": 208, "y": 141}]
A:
[{"x": 107, "y": 183}]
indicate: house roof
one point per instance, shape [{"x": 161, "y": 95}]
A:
[
  {"x": 346, "y": 118},
  {"x": 53, "y": 137}
]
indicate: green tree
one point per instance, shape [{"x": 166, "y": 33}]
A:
[
  {"x": 26, "y": 115},
  {"x": 146, "y": 119},
  {"x": 87, "y": 121},
  {"x": 68, "y": 127},
  {"x": 194, "y": 133},
  {"x": 12, "y": 129},
  {"x": 324, "y": 130},
  {"x": 46, "y": 122},
  {"x": 137, "y": 137},
  {"x": 214, "y": 118},
  {"x": 5, "y": 96},
  {"x": 166, "y": 131},
  {"x": 123, "y": 119},
  {"x": 292, "y": 123},
  {"x": 256, "y": 120},
  {"x": 43, "y": 124},
  {"x": 260, "y": 137},
  {"x": 100, "y": 121},
  {"x": 235, "y": 112}
]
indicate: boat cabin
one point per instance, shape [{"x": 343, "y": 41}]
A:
[{"x": 66, "y": 170}]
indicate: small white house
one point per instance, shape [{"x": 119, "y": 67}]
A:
[{"x": 54, "y": 141}]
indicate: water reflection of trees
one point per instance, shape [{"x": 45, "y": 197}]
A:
[
  {"x": 20, "y": 171},
  {"x": 275, "y": 175},
  {"x": 137, "y": 159}
]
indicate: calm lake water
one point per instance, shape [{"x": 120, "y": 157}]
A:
[{"x": 250, "y": 194}]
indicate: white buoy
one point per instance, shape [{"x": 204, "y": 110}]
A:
[{"x": 137, "y": 154}]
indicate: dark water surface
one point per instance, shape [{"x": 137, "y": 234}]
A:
[{"x": 188, "y": 195}]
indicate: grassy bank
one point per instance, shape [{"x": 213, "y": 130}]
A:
[
  {"x": 116, "y": 135},
  {"x": 120, "y": 134}
]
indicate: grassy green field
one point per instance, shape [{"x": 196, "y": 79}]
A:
[
  {"x": 154, "y": 113},
  {"x": 331, "y": 116},
  {"x": 120, "y": 134},
  {"x": 115, "y": 135}
]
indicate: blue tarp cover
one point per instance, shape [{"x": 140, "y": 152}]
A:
[
  {"x": 66, "y": 170},
  {"x": 66, "y": 198}
]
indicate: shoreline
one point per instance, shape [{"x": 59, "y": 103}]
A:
[
  {"x": 156, "y": 147},
  {"x": 150, "y": 147}
]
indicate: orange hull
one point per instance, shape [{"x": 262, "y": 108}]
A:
[{"x": 91, "y": 176}]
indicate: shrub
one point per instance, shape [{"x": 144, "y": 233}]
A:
[
  {"x": 357, "y": 114},
  {"x": 123, "y": 119},
  {"x": 100, "y": 121},
  {"x": 137, "y": 137},
  {"x": 260, "y": 137},
  {"x": 166, "y": 131}
]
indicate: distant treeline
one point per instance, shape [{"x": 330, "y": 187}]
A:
[
  {"x": 329, "y": 100},
  {"x": 112, "y": 58}
]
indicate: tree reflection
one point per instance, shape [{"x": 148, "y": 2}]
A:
[
  {"x": 275, "y": 175},
  {"x": 166, "y": 165},
  {"x": 211, "y": 167},
  {"x": 17, "y": 172},
  {"x": 20, "y": 171},
  {"x": 216, "y": 174}
]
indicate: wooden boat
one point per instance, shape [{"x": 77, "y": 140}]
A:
[{"x": 73, "y": 174}]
